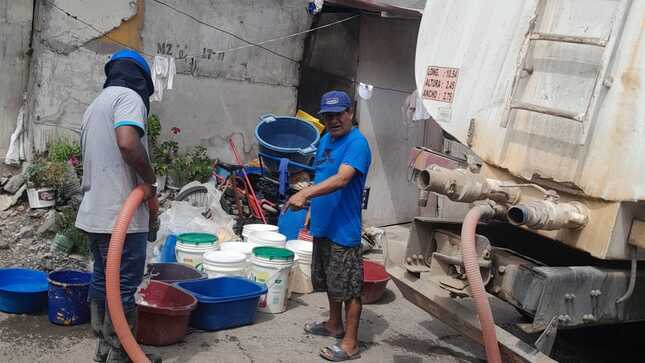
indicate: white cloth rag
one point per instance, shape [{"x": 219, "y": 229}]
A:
[{"x": 163, "y": 75}]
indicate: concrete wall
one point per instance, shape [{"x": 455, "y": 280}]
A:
[
  {"x": 216, "y": 95},
  {"x": 15, "y": 36},
  {"x": 386, "y": 59}
]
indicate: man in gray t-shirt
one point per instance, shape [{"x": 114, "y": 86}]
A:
[{"x": 115, "y": 161}]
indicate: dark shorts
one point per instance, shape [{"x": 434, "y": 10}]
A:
[{"x": 337, "y": 270}]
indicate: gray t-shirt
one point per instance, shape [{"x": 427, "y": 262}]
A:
[{"x": 107, "y": 179}]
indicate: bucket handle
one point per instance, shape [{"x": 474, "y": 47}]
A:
[
  {"x": 308, "y": 150},
  {"x": 267, "y": 117}
]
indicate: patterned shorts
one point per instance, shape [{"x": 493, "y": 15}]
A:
[{"x": 337, "y": 270}]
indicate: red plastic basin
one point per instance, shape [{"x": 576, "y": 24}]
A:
[
  {"x": 164, "y": 315},
  {"x": 374, "y": 281}
]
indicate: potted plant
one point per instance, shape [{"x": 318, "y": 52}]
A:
[
  {"x": 43, "y": 180},
  {"x": 162, "y": 154}
]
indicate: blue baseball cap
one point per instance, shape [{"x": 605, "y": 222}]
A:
[
  {"x": 131, "y": 55},
  {"x": 334, "y": 102}
]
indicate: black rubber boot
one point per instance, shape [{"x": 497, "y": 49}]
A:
[
  {"x": 97, "y": 315},
  {"x": 117, "y": 354}
]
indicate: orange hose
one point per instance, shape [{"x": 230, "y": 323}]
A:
[
  {"x": 474, "y": 276},
  {"x": 113, "y": 277}
]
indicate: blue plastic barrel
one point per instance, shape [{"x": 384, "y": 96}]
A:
[
  {"x": 290, "y": 222},
  {"x": 286, "y": 137},
  {"x": 67, "y": 297}
]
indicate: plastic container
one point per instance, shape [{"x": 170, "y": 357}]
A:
[
  {"x": 224, "y": 302},
  {"x": 41, "y": 197},
  {"x": 272, "y": 266},
  {"x": 242, "y": 247},
  {"x": 312, "y": 120},
  {"x": 286, "y": 137},
  {"x": 191, "y": 247},
  {"x": 290, "y": 222},
  {"x": 168, "y": 249},
  {"x": 269, "y": 239},
  {"x": 22, "y": 290},
  {"x": 225, "y": 263},
  {"x": 67, "y": 297},
  {"x": 174, "y": 272},
  {"x": 163, "y": 313},
  {"x": 303, "y": 251},
  {"x": 374, "y": 281},
  {"x": 250, "y": 228}
]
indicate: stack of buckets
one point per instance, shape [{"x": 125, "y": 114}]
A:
[{"x": 301, "y": 278}]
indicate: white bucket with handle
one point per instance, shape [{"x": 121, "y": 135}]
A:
[
  {"x": 272, "y": 267},
  {"x": 250, "y": 228},
  {"x": 225, "y": 263},
  {"x": 268, "y": 238}
]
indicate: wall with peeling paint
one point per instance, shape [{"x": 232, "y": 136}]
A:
[
  {"x": 216, "y": 95},
  {"x": 15, "y": 22}
]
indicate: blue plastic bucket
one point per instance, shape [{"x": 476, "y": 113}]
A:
[
  {"x": 290, "y": 223},
  {"x": 22, "y": 290},
  {"x": 68, "y": 303},
  {"x": 224, "y": 302},
  {"x": 286, "y": 137}
]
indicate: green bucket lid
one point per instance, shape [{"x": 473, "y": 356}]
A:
[
  {"x": 197, "y": 238},
  {"x": 273, "y": 253}
]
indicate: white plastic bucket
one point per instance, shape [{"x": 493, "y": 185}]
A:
[
  {"x": 250, "y": 228},
  {"x": 240, "y": 247},
  {"x": 303, "y": 251},
  {"x": 225, "y": 263},
  {"x": 268, "y": 238},
  {"x": 274, "y": 273},
  {"x": 41, "y": 197},
  {"x": 191, "y": 254}
]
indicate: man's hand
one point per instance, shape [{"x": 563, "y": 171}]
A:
[
  {"x": 153, "y": 222},
  {"x": 149, "y": 192},
  {"x": 297, "y": 201}
]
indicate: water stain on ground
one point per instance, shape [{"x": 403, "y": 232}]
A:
[
  {"x": 425, "y": 347},
  {"x": 39, "y": 334}
]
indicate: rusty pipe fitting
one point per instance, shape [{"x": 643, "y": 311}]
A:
[
  {"x": 549, "y": 215},
  {"x": 460, "y": 185}
]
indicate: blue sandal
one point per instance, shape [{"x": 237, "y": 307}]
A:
[
  {"x": 335, "y": 353},
  {"x": 318, "y": 328}
]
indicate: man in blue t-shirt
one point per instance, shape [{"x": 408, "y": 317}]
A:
[{"x": 342, "y": 162}]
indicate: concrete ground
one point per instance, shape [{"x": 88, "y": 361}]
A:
[{"x": 392, "y": 330}]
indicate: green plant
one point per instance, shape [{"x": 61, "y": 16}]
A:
[
  {"x": 66, "y": 151},
  {"x": 66, "y": 224},
  {"x": 46, "y": 174},
  {"x": 195, "y": 165},
  {"x": 154, "y": 129}
]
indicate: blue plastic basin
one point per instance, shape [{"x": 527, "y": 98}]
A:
[
  {"x": 22, "y": 290},
  {"x": 223, "y": 302},
  {"x": 286, "y": 137},
  {"x": 68, "y": 303}
]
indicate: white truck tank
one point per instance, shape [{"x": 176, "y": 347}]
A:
[{"x": 549, "y": 92}]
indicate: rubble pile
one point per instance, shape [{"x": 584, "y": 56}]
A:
[{"x": 26, "y": 234}]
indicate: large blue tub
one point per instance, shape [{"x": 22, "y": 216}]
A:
[
  {"x": 286, "y": 137},
  {"x": 223, "y": 302},
  {"x": 22, "y": 290},
  {"x": 68, "y": 303}
]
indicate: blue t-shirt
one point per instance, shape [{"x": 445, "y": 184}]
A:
[{"x": 337, "y": 215}]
